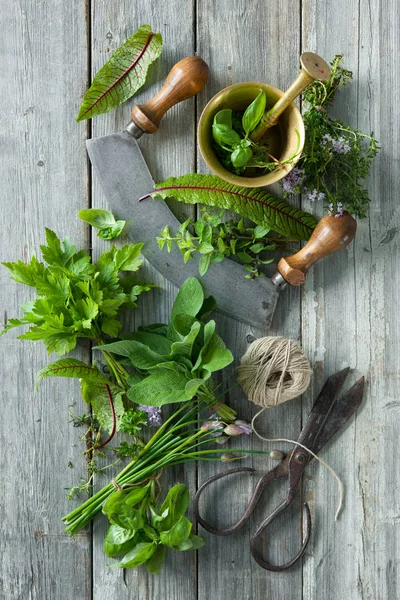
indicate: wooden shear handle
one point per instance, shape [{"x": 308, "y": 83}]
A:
[
  {"x": 186, "y": 79},
  {"x": 330, "y": 235}
]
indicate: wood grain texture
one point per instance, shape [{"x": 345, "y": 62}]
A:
[
  {"x": 348, "y": 319},
  {"x": 44, "y": 179},
  {"x": 347, "y": 316}
]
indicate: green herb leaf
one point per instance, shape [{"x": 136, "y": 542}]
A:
[
  {"x": 225, "y": 136},
  {"x": 241, "y": 156},
  {"x": 137, "y": 556},
  {"x": 121, "y": 77},
  {"x": 224, "y": 117},
  {"x": 189, "y": 300},
  {"x": 154, "y": 564},
  {"x": 177, "y": 534},
  {"x": 104, "y": 220},
  {"x": 71, "y": 367},
  {"x": 253, "y": 113},
  {"x": 113, "y": 548},
  {"x": 174, "y": 506},
  {"x": 159, "y": 388},
  {"x": 256, "y": 204}
]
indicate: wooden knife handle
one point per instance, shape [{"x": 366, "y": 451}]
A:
[
  {"x": 185, "y": 80},
  {"x": 330, "y": 235}
]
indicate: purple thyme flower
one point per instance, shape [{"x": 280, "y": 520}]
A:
[
  {"x": 153, "y": 414},
  {"x": 293, "y": 179},
  {"x": 339, "y": 145},
  {"x": 339, "y": 209},
  {"x": 314, "y": 195}
]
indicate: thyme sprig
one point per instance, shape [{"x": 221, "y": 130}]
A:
[{"x": 336, "y": 157}]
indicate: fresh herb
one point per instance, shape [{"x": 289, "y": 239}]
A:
[
  {"x": 104, "y": 221},
  {"x": 121, "y": 77},
  {"x": 216, "y": 239},
  {"x": 181, "y": 439},
  {"x": 236, "y": 151},
  {"x": 75, "y": 297},
  {"x": 175, "y": 362},
  {"x": 255, "y": 204},
  {"x": 141, "y": 530},
  {"x": 336, "y": 157}
]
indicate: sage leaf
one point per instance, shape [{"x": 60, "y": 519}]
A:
[
  {"x": 121, "y": 77},
  {"x": 159, "y": 388},
  {"x": 254, "y": 112},
  {"x": 189, "y": 300},
  {"x": 255, "y": 204}
]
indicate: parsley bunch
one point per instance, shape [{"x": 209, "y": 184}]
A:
[{"x": 336, "y": 157}]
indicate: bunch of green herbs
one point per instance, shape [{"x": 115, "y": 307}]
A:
[
  {"x": 216, "y": 239},
  {"x": 336, "y": 157},
  {"x": 141, "y": 531}
]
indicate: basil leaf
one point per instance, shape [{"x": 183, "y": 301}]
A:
[
  {"x": 254, "y": 112},
  {"x": 223, "y": 117},
  {"x": 111, "y": 232},
  {"x": 241, "y": 156},
  {"x": 194, "y": 542},
  {"x": 137, "y": 556},
  {"x": 116, "y": 501},
  {"x": 97, "y": 217},
  {"x": 225, "y": 136},
  {"x": 113, "y": 548},
  {"x": 176, "y": 502},
  {"x": 154, "y": 564},
  {"x": 177, "y": 534}
]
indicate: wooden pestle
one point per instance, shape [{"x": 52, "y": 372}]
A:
[
  {"x": 312, "y": 67},
  {"x": 330, "y": 235},
  {"x": 185, "y": 80}
]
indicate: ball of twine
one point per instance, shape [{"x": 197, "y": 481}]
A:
[{"x": 273, "y": 370}]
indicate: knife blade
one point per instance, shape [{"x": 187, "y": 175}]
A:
[{"x": 124, "y": 176}]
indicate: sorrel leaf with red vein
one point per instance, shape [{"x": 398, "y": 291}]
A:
[
  {"x": 255, "y": 204},
  {"x": 121, "y": 77}
]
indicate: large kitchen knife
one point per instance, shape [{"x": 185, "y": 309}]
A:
[{"x": 124, "y": 177}]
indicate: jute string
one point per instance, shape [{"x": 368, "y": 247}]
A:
[{"x": 272, "y": 371}]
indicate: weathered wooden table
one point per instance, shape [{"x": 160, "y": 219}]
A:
[{"x": 346, "y": 314}]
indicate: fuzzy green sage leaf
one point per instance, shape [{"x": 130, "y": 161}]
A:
[
  {"x": 121, "y": 77},
  {"x": 256, "y": 204}
]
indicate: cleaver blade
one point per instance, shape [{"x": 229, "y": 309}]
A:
[{"x": 124, "y": 176}]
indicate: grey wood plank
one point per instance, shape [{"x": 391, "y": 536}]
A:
[
  {"x": 349, "y": 318},
  {"x": 170, "y": 152},
  {"x": 44, "y": 180},
  {"x": 250, "y": 41}
]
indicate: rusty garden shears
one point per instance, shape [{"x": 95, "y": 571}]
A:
[{"x": 327, "y": 416}]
